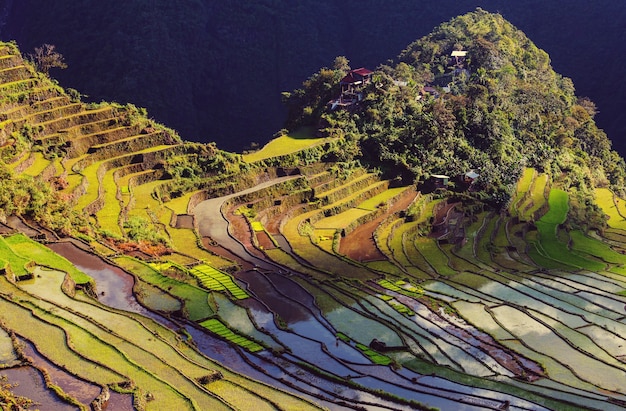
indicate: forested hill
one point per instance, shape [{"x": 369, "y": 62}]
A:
[
  {"x": 495, "y": 107},
  {"x": 214, "y": 70}
]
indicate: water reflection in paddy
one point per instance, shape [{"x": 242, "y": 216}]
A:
[
  {"x": 114, "y": 285},
  {"x": 32, "y": 385},
  {"x": 83, "y": 391}
]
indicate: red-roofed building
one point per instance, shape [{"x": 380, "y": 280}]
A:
[
  {"x": 355, "y": 78},
  {"x": 351, "y": 86}
]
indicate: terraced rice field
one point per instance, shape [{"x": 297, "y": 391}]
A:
[
  {"x": 288, "y": 144},
  {"x": 220, "y": 329},
  {"x": 214, "y": 279},
  {"x": 492, "y": 311}
]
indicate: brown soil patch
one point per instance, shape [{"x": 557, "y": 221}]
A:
[
  {"x": 359, "y": 245},
  {"x": 184, "y": 221},
  {"x": 264, "y": 240},
  {"x": 240, "y": 230}
]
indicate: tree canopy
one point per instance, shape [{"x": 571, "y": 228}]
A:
[{"x": 497, "y": 108}]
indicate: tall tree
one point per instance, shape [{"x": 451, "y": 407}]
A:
[{"x": 46, "y": 57}]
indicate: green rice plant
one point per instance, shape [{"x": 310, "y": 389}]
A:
[
  {"x": 90, "y": 174},
  {"x": 383, "y": 267},
  {"x": 216, "y": 326},
  {"x": 541, "y": 258},
  {"x": 374, "y": 357},
  {"x": 606, "y": 201},
  {"x": 179, "y": 204},
  {"x": 398, "y": 240},
  {"x": 484, "y": 245},
  {"x": 257, "y": 226},
  {"x": 108, "y": 216},
  {"x": 389, "y": 285},
  {"x": 34, "y": 251},
  {"x": 38, "y": 165},
  {"x": 383, "y": 234},
  {"x": 21, "y": 319},
  {"x": 455, "y": 261},
  {"x": 501, "y": 239},
  {"x": 214, "y": 279},
  {"x": 325, "y": 261},
  {"x": 373, "y": 203},
  {"x": 131, "y": 348},
  {"x": 239, "y": 398},
  {"x": 549, "y": 244},
  {"x": 144, "y": 198},
  {"x": 435, "y": 257},
  {"x": 419, "y": 268},
  {"x": 558, "y": 202},
  {"x": 299, "y": 140},
  {"x": 583, "y": 244},
  {"x": 186, "y": 241},
  {"x": 341, "y": 220},
  {"x": 523, "y": 186},
  {"x": 17, "y": 262},
  {"x": 401, "y": 308}
]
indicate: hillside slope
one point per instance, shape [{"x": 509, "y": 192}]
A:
[
  {"x": 145, "y": 272},
  {"x": 122, "y": 54}
]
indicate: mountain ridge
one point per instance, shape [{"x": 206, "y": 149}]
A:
[{"x": 269, "y": 35}]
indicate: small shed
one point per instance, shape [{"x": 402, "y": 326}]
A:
[
  {"x": 439, "y": 180},
  {"x": 459, "y": 57},
  {"x": 470, "y": 176}
]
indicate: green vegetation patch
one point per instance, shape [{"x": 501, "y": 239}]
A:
[
  {"x": 606, "y": 200},
  {"x": 17, "y": 262},
  {"x": 389, "y": 285},
  {"x": 298, "y": 140},
  {"x": 257, "y": 226},
  {"x": 537, "y": 197},
  {"x": 38, "y": 165},
  {"x": 24, "y": 246},
  {"x": 374, "y": 357},
  {"x": 401, "y": 308},
  {"x": 217, "y": 327},
  {"x": 381, "y": 199},
  {"x": 549, "y": 244},
  {"x": 216, "y": 280},
  {"x": 435, "y": 257},
  {"x": 588, "y": 245}
]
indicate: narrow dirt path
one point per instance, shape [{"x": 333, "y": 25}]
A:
[{"x": 212, "y": 223}]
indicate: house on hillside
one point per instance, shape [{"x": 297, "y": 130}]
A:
[
  {"x": 466, "y": 181},
  {"x": 434, "y": 182},
  {"x": 459, "y": 57},
  {"x": 439, "y": 180},
  {"x": 470, "y": 176},
  {"x": 352, "y": 88}
]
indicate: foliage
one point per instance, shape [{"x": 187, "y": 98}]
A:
[
  {"x": 24, "y": 195},
  {"x": 46, "y": 57},
  {"x": 139, "y": 229},
  {"x": 499, "y": 109}
]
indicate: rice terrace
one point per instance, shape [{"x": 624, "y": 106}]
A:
[{"x": 447, "y": 232}]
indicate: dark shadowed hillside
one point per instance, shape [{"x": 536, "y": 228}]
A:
[{"x": 215, "y": 70}]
